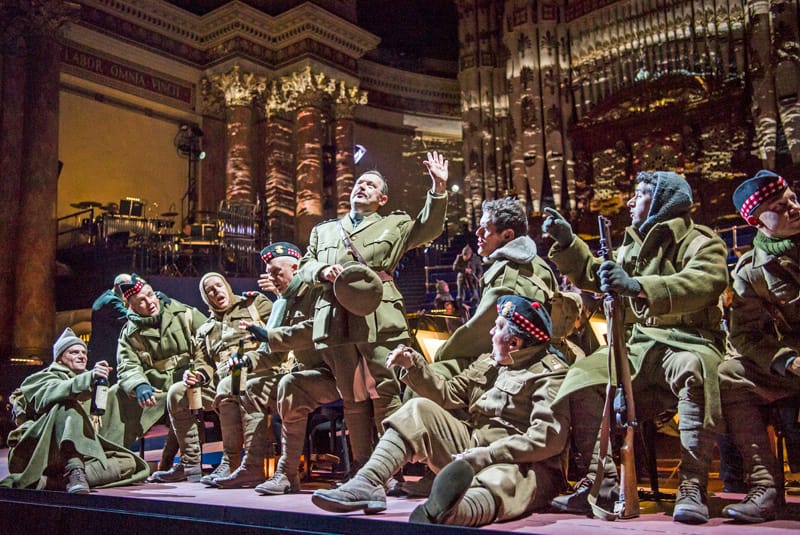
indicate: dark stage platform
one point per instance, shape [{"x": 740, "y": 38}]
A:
[{"x": 192, "y": 508}]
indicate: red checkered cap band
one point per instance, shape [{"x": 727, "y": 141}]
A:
[
  {"x": 270, "y": 255},
  {"x": 133, "y": 289},
  {"x": 758, "y": 196},
  {"x": 529, "y": 327}
]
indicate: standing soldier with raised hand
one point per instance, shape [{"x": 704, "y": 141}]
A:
[{"x": 361, "y": 316}]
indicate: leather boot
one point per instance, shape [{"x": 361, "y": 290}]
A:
[
  {"x": 246, "y": 476},
  {"x": 223, "y": 469},
  {"x": 449, "y": 486},
  {"x": 697, "y": 445},
  {"x": 179, "y": 472},
  {"x": 358, "y": 494},
  {"x": 577, "y": 503},
  {"x": 278, "y": 484},
  {"x": 169, "y": 452},
  {"x": 760, "y": 505},
  {"x": 75, "y": 477}
]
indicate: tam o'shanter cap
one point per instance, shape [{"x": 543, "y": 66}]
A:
[
  {"x": 528, "y": 315},
  {"x": 754, "y": 191},
  {"x": 281, "y": 248},
  {"x": 358, "y": 289},
  {"x": 66, "y": 340},
  {"x": 132, "y": 287}
]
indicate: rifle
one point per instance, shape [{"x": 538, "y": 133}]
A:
[{"x": 619, "y": 400}]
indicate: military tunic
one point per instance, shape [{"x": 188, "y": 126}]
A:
[
  {"x": 511, "y": 411},
  {"x": 355, "y": 347},
  {"x": 514, "y": 269},
  {"x": 765, "y": 333},
  {"x": 216, "y": 340},
  {"x": 681, "y": 311},
  {"x": 56, "y": 404},
  {"x": 309, "y": 385},
  {"x": 154, "y": 350}
]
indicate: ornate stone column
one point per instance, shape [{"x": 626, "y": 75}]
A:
[
  {"x": 212, "y": 168},
  {"x": 238, "y": 89},
  {"x": 347, "y": 99},
  {"x": 13, "y": 72},
  {"x": 278, "y": 164},
  {"x": 29, "y": 86},
  {"x": 312, "y": 94}
]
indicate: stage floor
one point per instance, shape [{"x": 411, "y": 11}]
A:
[{"x": 195, "y": 501}]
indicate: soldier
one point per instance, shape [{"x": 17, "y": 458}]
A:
[
  {"x": 513, "y": 267},
  {"x": 355, "y": 340},
  {"x": 311, "y": 382},
  {"x": 109, "y": 315},
  {"x": 765, "y": 322},
  {"x": 671, "y": 272},
  {"x": 154, "y": 350},
  {"x": 507, "y": 455},
  {"x": 55, "y": 445},
  {"x": 216, "y": 340},
  {"x": 469, "y": 270}
]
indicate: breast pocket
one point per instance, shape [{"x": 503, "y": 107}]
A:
[
  {"x": 329, "y": 254},
  {"x": 380, "y": 250}
]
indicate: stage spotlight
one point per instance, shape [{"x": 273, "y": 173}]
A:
[{"x": 358, "y": 152}]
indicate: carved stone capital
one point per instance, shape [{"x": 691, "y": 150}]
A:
[
  {"x": 21, "y": 20},
  {"x": 346, "y": 100},
  {"x": 238, "y": 88}
]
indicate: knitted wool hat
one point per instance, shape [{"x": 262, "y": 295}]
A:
[
  {"x": 754, "y": 191},
  {"x": 66, "y": 340},
  {"x": 231, "y": 295},
  {"x": 672, "y": 197},
  {"x": 280, "y": 248},
  {"x": 528, "y": 315}
]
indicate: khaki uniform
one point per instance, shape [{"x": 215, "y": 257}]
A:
[
  {"x": 216, "y": 340},
  {"x": 511, "y": 410},
  {"x": 514, "y": 269},
  {"x": 155, "y": 350},
  {"x": 675, "y": 342},
  {"x": 309, "y": 385},
  {"x": 765, "y": 331},
  {"x": 355, "y": 347},
  {"x": 54, "y": 409}
]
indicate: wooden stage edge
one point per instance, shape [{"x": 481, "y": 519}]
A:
[{"x": 193, "y": 509}]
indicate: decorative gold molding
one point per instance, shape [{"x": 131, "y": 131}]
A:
[{"x": 238, "y": 88}]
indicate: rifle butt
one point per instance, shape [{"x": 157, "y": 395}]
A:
[{"x": 628, "y": 504}]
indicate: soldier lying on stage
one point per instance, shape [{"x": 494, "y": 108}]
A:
[
  {"x": 505, "y": 461},
  {"x": 55, "y": 446}
]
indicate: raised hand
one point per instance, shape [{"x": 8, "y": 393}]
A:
[
  {"x": 558, "y": 228},
  {"x": 437, "y": 168}
]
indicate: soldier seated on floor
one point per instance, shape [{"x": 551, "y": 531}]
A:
[
  {"x": 502, "y": 464},
  {"x": 55, "y": 445}
]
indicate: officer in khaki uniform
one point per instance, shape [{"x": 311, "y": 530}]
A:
[
  {"x": 507, "y": 455},
  {"x": 670, "y": 273},
  {"x": 765, "y": 331},
  {"x": 216, "y": 340},
  {"x": 354, "y": 342},
  {"x": 55, "y": 446},
  {"x": 154, "y": 350},
  {"x": 310, "y": 382}
]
